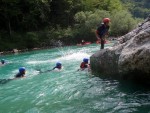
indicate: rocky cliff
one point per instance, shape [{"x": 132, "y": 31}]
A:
[{"x": 128, "y": 59}]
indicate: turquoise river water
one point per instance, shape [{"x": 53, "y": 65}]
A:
[{"x": 66, "y": 91}]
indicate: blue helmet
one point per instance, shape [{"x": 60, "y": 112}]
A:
[
  {"x": 22, "y": 69},
  {"x": 85, "y": 60},
  {"x": 58, "y": 64},
  {"x": 2, "y": 61}
]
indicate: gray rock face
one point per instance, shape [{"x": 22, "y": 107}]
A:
[{"x": 129, "y": 58}]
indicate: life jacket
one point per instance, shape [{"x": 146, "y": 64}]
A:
[
  {"x": 83, "y": 65},
  {"x": 102, "y": 30}
]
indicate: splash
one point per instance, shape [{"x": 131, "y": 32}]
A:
[
  {"x": 71, "y": 54},
  {"x": 37, "y": 62},
  {"x": 75, "y": 56}
]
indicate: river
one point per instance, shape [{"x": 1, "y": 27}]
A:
[{"x": 66, "y": 91}]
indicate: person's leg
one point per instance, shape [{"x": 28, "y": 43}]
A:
[
  {"x": 4, "y": 81},
  {"x": 102, "y": 43}
]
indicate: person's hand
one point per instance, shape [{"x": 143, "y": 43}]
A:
[
  {"x": 107, "y": 34},
  {"x": 103, "y": 39},
  {"x": 98, "y": 38}
]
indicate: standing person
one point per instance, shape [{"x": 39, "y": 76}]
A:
[{"x": 102, "y": 31}]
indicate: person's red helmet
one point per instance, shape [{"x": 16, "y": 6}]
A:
[{"x": 106, "y": 20}]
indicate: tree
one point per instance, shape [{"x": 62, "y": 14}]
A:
[
  {"x": 139, "y": 8},
  {"x": 121, "y": 23},
  {"x": 108, "y": 5},
  {"x": 8, "y": 14},
  {"x": 62, "y": 12}
]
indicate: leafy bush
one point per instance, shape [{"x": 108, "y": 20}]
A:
[
  {"x": 31, "y": 40},
  {"x": 122, "y": 22}
]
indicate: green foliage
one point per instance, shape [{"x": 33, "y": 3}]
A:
[
  {"x": 59, "y": 34},
  {"x": 140, "y": 12},
  {"x": 139, "y": 8},
  {"x": 80, "y": 17},
  {"x": 31, "y": 40},
  {"x": 114, "y": 5},
  {"x": 108, "y": 5},
  {"x": 86, "y": 22},
  {"x": 20, "y": 41},
  {"x": 20, "y": 15},
  {"x": 62, "y": 12},
  {"x": 34, "y": 23},
  {"x": 122, "y": 22}
]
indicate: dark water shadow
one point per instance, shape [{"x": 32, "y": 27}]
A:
[
  {"x": 4, "y": 81},
  {"x": 131, "y": 87},
  {"x": 136, "y": 93},
  {"x": 129, "y": 83}
]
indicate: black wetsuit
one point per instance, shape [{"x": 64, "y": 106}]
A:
[
  {"x": 18, "y": 75},
  {"x": 102, "y": 31}
]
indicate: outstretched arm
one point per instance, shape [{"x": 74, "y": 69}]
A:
[{"x": 46, "y": 70}]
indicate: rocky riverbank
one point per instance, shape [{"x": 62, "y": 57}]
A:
[{"x": 14, "y": 51}]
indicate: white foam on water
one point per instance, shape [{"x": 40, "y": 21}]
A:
[
  {"x": 37, "y": 62},
  {"x": 66, "y": 55},
  {"x": 74, "y": 56}
]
